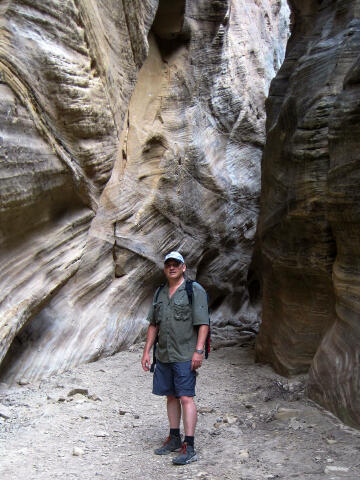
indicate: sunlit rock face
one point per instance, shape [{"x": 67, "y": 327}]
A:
[
  {"x": 309, "y": 222},
  {"x": 106, "y": 168}
]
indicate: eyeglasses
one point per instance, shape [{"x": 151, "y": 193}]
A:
[{"x": 173, "y": 264}]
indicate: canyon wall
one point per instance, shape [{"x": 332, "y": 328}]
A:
[
  {"x": 309, "y": 223},
  {"x": 131, "y": 128},
  {"x": 128, "y": 129},
  {"x": 65, "y": 90}
]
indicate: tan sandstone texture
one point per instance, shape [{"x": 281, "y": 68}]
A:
[
  {"x": 309, "y": 222},
  {"x": 106, "y": 167}
]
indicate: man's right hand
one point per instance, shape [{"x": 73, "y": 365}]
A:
[
  {"x": 150, "y": 340},
  {"x": 145, "y": 362}
]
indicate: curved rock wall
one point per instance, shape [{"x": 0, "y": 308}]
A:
[
  {"x": 309, "y": 222},
  {"x": 96, "y": 188},
  {"x": 64, "y": 99}
]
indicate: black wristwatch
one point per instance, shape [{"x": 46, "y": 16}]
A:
[{"x": 200, "y": 352}]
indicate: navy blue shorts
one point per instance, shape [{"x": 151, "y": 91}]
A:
[{"x": 175, "y": 379}]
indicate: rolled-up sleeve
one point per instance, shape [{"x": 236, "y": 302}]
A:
[{"x": 200, "y": 305}]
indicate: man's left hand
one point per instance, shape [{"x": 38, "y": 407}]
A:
[{"x": 196, "y": 361}]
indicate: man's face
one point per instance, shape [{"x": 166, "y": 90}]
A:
[{"x": 174, "y": 270}]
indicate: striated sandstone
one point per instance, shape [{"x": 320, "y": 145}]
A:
[
  {"x": 335, "y": 372},
  {"x": 125, "y": 181},
  {"x": 309, "y": 221},
  {"x": 59, "y": 140}
]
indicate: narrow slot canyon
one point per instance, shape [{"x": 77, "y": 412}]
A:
[{"x": 223, "y": 129}]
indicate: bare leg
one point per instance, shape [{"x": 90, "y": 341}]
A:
[
  {"x": 173, "y": 411},
  {"x": 189, "y": 415},
  {"x": 173, "y": 442}
]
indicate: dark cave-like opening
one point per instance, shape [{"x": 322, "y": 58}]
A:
[{"x": 168, "y": 26}]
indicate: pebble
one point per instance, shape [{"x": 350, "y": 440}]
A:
[
  {"x": 205, "y": 410},
  {"x": 227, "y": 419},
  {"x": 23, "y": 382},
  {"x": 243, "y": 454},
  {"x": 95, "y": 397},
  {"x": 77, "y": 452},
  {"x": 78, "y": 398},
  {"x": 333, "y": 469},
  {"x": 230, "y": 419},
  {"x": 101, "y": 434},
  {"x": 286, "y": 413},
  {"x": 219, "y": 425},
  {"x": 331, "y": 441},
  {"x": 81, "y": 391},
  {"x": 5, "y": 412}
]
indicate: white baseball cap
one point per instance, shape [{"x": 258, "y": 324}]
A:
[{"x": 175, "y": 256}]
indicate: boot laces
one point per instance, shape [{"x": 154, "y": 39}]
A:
[{"x": 167, "y": 441}]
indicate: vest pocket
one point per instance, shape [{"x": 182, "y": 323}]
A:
[{"x": 181, "y": 312}]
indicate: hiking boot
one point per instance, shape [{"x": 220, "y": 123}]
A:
[
  {"x": 186, "y": 456},
  {"x": 171, "y": 444}
]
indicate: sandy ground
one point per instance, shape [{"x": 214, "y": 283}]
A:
[{"x": 100, "y": 421}]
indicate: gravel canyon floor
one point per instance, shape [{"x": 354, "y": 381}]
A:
[{"x": 100, "y": 421}]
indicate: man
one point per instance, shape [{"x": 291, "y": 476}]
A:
[{"x": 182, "y": 329}]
